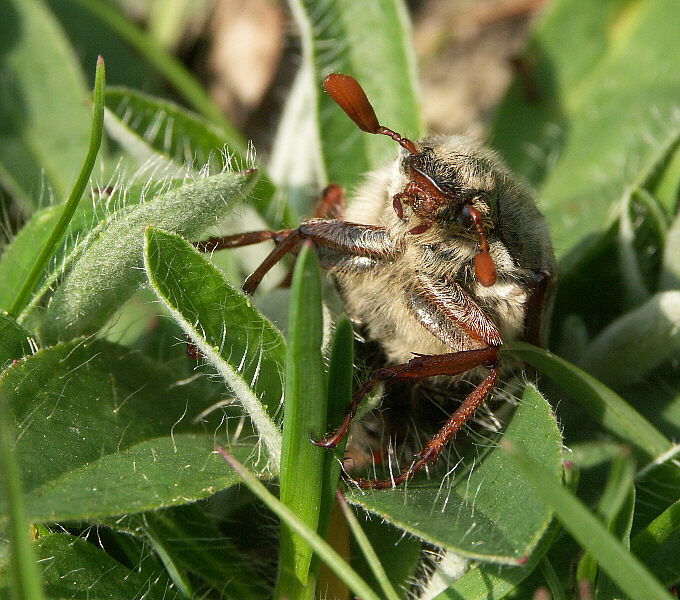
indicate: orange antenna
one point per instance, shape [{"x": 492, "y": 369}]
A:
[{"x": 349, "y": 95}]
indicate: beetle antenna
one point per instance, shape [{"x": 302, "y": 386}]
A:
[{"x": 350, "y": 96}]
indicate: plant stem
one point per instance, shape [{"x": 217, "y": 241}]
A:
[
  {"x": 23, "y": 570},
  {"x": 74, "y": 198}
]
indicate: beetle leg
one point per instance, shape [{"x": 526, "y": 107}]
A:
[
  {"x": 332, "y": 203},
  {"x": 241, "y": 239},
  {"x": 336, "y": 241},
  {"x": 331, "y": 206},
  {"x": 433, "y": 448},
  {"x": 450, "y": 314},
  {"x": 419, "y": 367}
]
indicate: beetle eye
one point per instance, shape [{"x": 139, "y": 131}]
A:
[{"x": 465, "y": 218}]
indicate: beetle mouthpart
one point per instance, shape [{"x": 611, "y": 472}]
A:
[
  {"x": 484, "y": 267},
  {"x": 418, "y": 229},
  {"x": 398, "y": 208}
]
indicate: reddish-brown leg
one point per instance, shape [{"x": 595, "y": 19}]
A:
[
  {"x": 289, "y": 243},
  {"x": 242, "y": 239},
  {"x": 432, "y": 450},
  {"x": 331, "y": 206},
  {"x": 332, "y": 203},
  {"x": 420, "y": 367}
]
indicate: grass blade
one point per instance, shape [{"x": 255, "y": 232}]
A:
[
  {"x": 340, "y": 378},
  {"x": 327, "y": 554},
  {"x": 74, "y": 198},
  {"x": 652, "y": 537},
  {"x": 624, "y": 569},
  {"x": 552, "y": 579},
  {"x": 23, "y": 569},
  {"x": 304, "y": 413},
  {"x": 604, "y": 405},
  {"x": 617, "y": 489},
  {"x": 371, "y": 557}
]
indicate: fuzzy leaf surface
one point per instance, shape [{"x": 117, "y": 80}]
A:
[
  {"x": 103, "y": 431},
  {"x": 156, "y": 129},
  {"x": 245, "y": 348},
  {"x": 75, "y": 568},
  {"x": 88, "y": 220},
  {"x": 483, "y": 509},
  {"x": 182, "y": 532},
  {"x": 110, "y": 269},
  {"x": 14, "y": 340},
  {"x": 635, "y": 344},
  {"x": 170, "y": 129}
]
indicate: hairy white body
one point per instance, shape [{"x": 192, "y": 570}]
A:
[{"x": 379, "y": 295}]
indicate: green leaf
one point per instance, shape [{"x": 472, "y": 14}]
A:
[
  {"x": 620, "y": 527},
  {"x": 604, "y": 405},
  {"x": 482, "y": 510},
  {"x": 339, "y": 392},
  {"x": 159, "y": 132},
  {"x": 23, "y": 570},
  {"x": 23, "y": 250},
  {"x": 92, "y": 38},
  {"x": 110, "y": 269},
  {"x": 242, "y": 345},
  {"x": 104, "y": 431},
  {"x": 370, "y": 554},
  {"x": 325, "y": 552},
  {"x": 173, "y": 70},
  {"x": 638, "y": 342},
  {"x": 618, "y": 488},
  {"x": 651, "y": 538},
  {"x": 626, "y": 571},
  {"x": 591, "y": 134},
  {"x": 71, "y": 204},
  {"x": 376, "y": 50},
  {"x": 665, "y": 183},
  {"x": 15, "y": 341},
  {"x": 168, "y": 129},
  {"x": 489, "y": 582},
  {"x": 75, "y": 568},
  {"x": 302, "y": 472},
  {"x": 670, "y": 266},
  {"x": 658, "y": 545},
  {"x": 44, "y": 122},
  {"x": 183, "y": 531},
  {"x": 642, "y": 232},
  {"x": 399, "y": 554},
  {"x": 553, "y": 581},
  {"x": 299, "y": 174}
]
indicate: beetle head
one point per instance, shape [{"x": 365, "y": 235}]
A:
[{"x": 425, "y": 193}]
